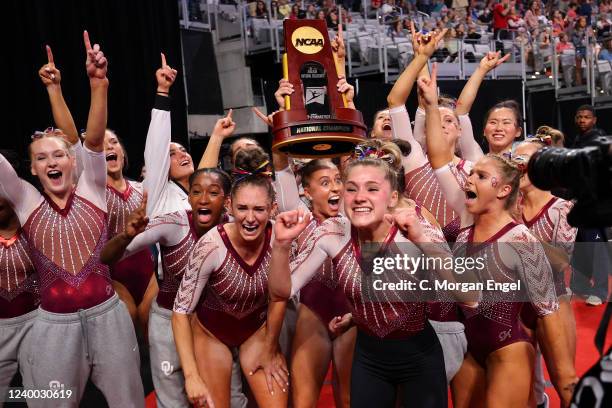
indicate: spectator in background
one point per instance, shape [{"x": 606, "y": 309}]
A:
[
  {"x": 460, "y": 31},
  {"x": 388, "y": 7},
  {"x": 274, "y": 11},
  {"x": 261, "y": 10},
  {"x": 532, "y": 15},
  {"x": 460, "y": 7},
  {"x": 572, "y": 13},
  {"x": 606, "y": 51},
  {"x": 437, "y": 8},
  {"x": 563, "y": 5},
  {"x": 374, "y": 6},
  {"x": 558, "y": 22},
  {"x": 579, "y": 39},
  {"x": 321, "y": 15},
  {"x": 396, "y": 29},
  {"x": 332, "y": 19},
  {"x": 514, "y": 20},
  {"x": 311, "y": 12},
  {"x": 591, "y": 260},
  {"x": 586, "y": 10},
  {"x": 284, "y": 9},
  {"x": 586, "y": 122},
  {"x": 295, "y": 12},
  {"x": 605, "y": 7},
  {"x": 500, "y": 17},
  {"x": 603, "y": 24},
  {"x": 563, "y": 44},
  {"x": 472, "y": 34},
  {"x": 486, "y": 17},
  {"x": 424, "y": 6}
]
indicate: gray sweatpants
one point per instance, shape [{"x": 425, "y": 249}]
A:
[
  {"x": 65, "y": 349},
  {"x": 166, "y": 369},
  {"x": 454, "y": 345},
  {"x": 13, "y": 353}
]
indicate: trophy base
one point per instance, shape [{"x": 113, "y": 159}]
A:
[{"x": 294, "y": 134}]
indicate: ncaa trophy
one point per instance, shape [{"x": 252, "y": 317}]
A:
[{"x": 316, "y": 121}]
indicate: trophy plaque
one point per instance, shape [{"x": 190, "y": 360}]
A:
[{"x": 316, "y": 121}]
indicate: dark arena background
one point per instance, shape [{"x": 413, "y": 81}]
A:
[{"x": 228, "y": 55}]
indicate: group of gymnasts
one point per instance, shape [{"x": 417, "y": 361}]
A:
[{"x": 248, "y": 285}]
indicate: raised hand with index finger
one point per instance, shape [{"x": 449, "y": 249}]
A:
[
  {"x": 96, "y": 63},
  {"x": 48, "y": 73},
  {"x": 225, "y": 126},
  {"x": 165, "y": 76},
  {"x": 428, "y": 87}
]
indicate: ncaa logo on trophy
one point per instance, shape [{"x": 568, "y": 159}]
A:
[{"x": 316, "y": 121}]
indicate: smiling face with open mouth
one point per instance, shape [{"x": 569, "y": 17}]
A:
[
  {"x": 115, "y": 155},
  {"x": 325, "y": 190},
  {"x": 181, "y": 164},
  {"x": 501, "y": 129},
  {"x": 382, "y": 126},
  {"x": 251, "y": 208},
  {"x": 207, "y": 200},
  {"x": 52, "y": 164},
  {"x": 368, "y": 196}
]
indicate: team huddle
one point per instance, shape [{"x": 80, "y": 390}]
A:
[{"x": 247, "y": 285}]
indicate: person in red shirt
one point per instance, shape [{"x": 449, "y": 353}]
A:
[{"x": 500, "y": 15}]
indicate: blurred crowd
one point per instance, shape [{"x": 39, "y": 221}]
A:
[{"x": 566, "y": 25}]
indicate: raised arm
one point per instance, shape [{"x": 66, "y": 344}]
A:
[
  {"x": 96, "y": 66},
  {"x": 92, "y": 182},
  {"x": 440, "y": 152},
  {"x": 402, "y": 129},
  {"x": 281, "y": 283},
  {"x": 419, "y": 116},
  {"x": 51, "y": 77},
  {"x": 468, "y": 95},
  {"x": 223, "y": 129},
  {"x": 424, "y": 47},
  {"x": 157, "y": 145},
  {"x": 470, "y": 150},
  {"x": 23, "y": 196},
  {"x": 287, "y": 193}
]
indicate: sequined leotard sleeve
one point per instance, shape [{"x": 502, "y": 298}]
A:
[
  {"x": 470, "y": 149},
  {"x": 206, "y": 257},
  {"x": 23, "y": 196},
  {"x": 402, "y": 130},
  {"x": 287, "y": 193},
  {"x": 163, "y": 195}
]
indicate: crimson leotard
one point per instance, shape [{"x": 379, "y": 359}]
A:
[
  {"x": 65, "y": 244},
  {"x": 18, "y": 278},
  {"x": 550, "y": 225},
  {"x": 383, "y": 314},
  {"x": 420, "y": 180},
  {"x": 229, "y": 296},
  {"x": 321, "y": 295},
  {"x": 513, "y": 254},
  {"x": 176, "y": 237}
]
